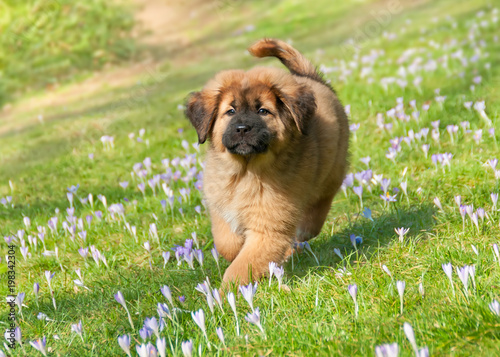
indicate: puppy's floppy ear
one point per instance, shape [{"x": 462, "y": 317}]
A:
[
  {"x": 201, "y": 110},
  {"x": 300, "y": 102}
]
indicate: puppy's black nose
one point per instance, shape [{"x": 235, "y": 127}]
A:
[{"x": 243, "y": 128}]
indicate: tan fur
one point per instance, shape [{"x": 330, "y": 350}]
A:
[{"x": 260, "y": 204}]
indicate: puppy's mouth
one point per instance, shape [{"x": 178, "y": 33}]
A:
[{"x": 246, "y": 149}]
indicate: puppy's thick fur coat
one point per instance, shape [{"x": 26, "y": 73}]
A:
[{"x": 277, "y": 155}]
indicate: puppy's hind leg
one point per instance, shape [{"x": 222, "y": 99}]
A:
[
  {"x": 313, "y": 219},
  {"x": 227, "y": 242}
]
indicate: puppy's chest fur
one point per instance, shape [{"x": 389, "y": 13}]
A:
[{"x": 246, "y": 201}]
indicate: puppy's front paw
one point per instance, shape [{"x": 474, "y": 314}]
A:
[{"x": 240, "y": 274}]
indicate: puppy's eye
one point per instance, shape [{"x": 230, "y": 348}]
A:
[
  {"x": 231, "y": 112},
  {"x": 263, "y": 111}
]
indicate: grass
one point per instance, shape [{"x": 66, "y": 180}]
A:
[
  {"x": 316, "y": 317},
  {"x": 46, "y": 42}
]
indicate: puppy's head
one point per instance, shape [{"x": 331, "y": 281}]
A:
[{"x": 248, "y": 113}]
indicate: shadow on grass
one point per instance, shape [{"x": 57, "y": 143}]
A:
[{"x": 375, "y": 234}]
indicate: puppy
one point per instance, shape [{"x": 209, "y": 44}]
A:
[{"x": 277, "y": 155}]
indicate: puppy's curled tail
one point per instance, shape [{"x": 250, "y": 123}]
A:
[{"x": 289, "y": 56}]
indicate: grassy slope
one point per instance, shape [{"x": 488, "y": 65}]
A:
[{"x": 316, "y": 317}]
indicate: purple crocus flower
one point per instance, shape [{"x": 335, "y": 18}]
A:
[
  {"x": 353, "y": 291},
  {"x": 165, "y": 290},
  {"x": 254, "y": 318},
  {"x": 248, "y": 293},
  {"x": 121, "y": 300},
  {"x": 401, "y": 290},
  {"x": 147, "y": 350},
  {"x": 84, "y": 252},
  {"x": 358, "y": 190},
  {"x": 495, "y": 307},
  {"x": 387, "y": 350},
  {"x": 408, "y": 330},
  {"x": 199, "y": 319},
  {"x": 145, "y": 333},
  {"x": 187, "y": 348},
  {"x": 40, "y": 345},
  {"x": 78, "y": 329},
  {"x": 388, "y": 198},
  {"x": 152, "y": 324},
  {"x": 448, "y": 270},
  {"x": 166, "y": 258},
  {"x": 124, "y": 342}
]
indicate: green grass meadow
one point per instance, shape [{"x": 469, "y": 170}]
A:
[{"x": 420, "y": 78}]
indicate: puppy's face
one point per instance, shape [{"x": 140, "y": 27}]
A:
[{"x": 249, "y": 113}]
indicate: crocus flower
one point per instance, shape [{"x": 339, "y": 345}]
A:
[
  {"x": 217, "y": 298},
  {"x": 232, "y": 302},
  {"x": 145, "y": 333},
  {"x": 358, "y": 190},
  {"x": 307, "y": 246},
  {"x": 437, "y": 202},
  {"x": 337, "y": 251},
  {"x": 401, "y": 232},
  {"x": 220, "y": 334},
  {"x": 124, "y": 342},
  {"x": 147, "y": 350},
  {"x": 163, "y": 311},
  {"x": 210, "y": 301},
  {"x": 448, "y": 270},
  {"x": 421, "y": 289},
  {"x": 78, "y": 329},
  {"x": 19, "y": 301},
  {"x": 152, "y": 324},
  {"x": 496, "y": 252},
  {"x": 199, "y": 256},
  {"x": 385, "y": 185},
  {"x": 165, "y": 290},
  {"x": 494, "y": 199},
  {"x": 121, "y": 300},
  {"x": 84, "y": 252},
  {"x": 248, "y": 293},
  {"x": 161, "y": 344},
  {"x": 355, "y": 241},
  {"x": 199, "y": 319},
  {"x": 401, "y": 290},
  {"x": 386, "y": 269},
  {"x": 388, "y": 198},
  {"x": 367, "y": 213},
  {"x": 254, "y": 318},
  {"x": 49, "y": 276},
  {"x": 387, "y": 350},
  {"x": 40, "y": 345},
  {"x": 36, "y": 289},
  {"x": 279, "y": 272},
  {"x": 475, "y": 220},
  {"x": 423, "y": 352},
  {"x": 353, "y": 291},
  {"x": 410, "y": 335},
  {"x": 18, "y": 336},
  {"x": 272, "y": 266},
  {"x": 166, "y": 258},
  {"x": 495, "y": 307},
  {"x": 480, "y": 107},
  {"x": 187, "y": 348}
]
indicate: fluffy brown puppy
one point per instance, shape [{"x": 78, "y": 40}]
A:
[{"x": 277, "y": 155}]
